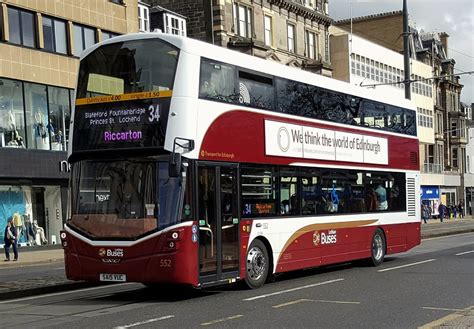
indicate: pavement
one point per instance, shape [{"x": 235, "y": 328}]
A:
[{"x": 53, "y": 255}]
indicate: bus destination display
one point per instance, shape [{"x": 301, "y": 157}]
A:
[{"x": 121, "y": 125}]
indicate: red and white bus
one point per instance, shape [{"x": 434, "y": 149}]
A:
[{"x": 198, "y": 165}]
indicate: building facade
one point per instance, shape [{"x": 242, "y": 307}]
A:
[
  {"x": 442, "y": 155},
  {"x": 469, "y": 173},
  {"x": 40, "y": 44},
  {"x": 291, "y": 32}
]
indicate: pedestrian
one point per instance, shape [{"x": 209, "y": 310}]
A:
[
  {"x": 461, "y": 210},
  {"x": 455, "y": 211},
  {"x": 424, "y": 212},
  {"x": 10, "y": 239},
  {"x": 442, "y": 211}
]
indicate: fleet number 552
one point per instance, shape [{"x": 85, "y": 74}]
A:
[{"x": 165, "y": 263}]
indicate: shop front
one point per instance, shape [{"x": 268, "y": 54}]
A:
[
  {"x": 33, "y": 187},
  {"x": 430, "y": 197}
]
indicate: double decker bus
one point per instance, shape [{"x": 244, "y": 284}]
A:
[{"x": 197, "y": 165}]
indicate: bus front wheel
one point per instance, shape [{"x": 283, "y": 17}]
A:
[
  {"x": 257, "y": 265},
  {"x": 378, "y": 248}
]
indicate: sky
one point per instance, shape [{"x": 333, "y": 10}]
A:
[{"x": 455, "y": 17}]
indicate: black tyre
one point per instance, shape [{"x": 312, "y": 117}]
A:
[
  {"x": 257, "y": 265},
  {"x": 378, "y": 248}
]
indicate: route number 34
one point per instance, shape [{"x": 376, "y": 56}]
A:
[
  {"x": 165, "y": 263},
  {"x": 154, "y": 112}
]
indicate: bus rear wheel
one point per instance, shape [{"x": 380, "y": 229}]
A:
[
  {"x": 378, "y": 248},
  {"x": 257, "y": 265}
]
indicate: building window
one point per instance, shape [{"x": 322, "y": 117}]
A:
[
  {"x": 59, "y": 117},
  {"x": 291, "y": 38},
  {"x": 54, "y": 33},
  {"x": 455, "y": 157},
  {"x": 310, "y": 44},
  {"x": 84, "y": 37},
  {"x": 21, "y": 25},
  {"x": 454, "y": 128},
  {"x": 175, "y": 25},
  {"x": 37, "y": 121},
  {"x": 243, "y": 20},
  {"x": 268, "y": 30},
  {"x": 107, "y": 35},
  {"x": 143, "y": 18},
  {"x": 12, "y": 117}
]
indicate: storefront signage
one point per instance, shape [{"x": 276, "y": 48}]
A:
[
  {"x": 298, "y": 141},
  {"x": 64, "y": 166},
  {"x": 429, "y": 192}
]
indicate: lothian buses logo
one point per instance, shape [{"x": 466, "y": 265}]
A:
[
  {"x": 316, "y": 238},
  {"x": 102, "y": 252},
  {"x": 283, "y": 139},
  {"x": 117, "y": 252}
]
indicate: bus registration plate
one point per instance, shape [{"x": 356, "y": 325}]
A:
[{"x": 113, "y": 277}]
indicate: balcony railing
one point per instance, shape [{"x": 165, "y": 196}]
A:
[{"x": 432, "y": 168}]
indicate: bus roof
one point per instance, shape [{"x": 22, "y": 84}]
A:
[{"x": 222, "y": 54}]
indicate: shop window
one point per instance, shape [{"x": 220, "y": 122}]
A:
[
  {"x": 54, "y": 32},
  {"x": 12, "y": 117},
  {"x": 37, "y": 120},
  {"x": 59, "y": 117},
  {"x": 21, "y": 25},
  {"x": 84, "y": 37},
  {"x": 108, "y": 35}
]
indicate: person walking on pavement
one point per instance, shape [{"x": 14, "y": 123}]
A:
[
  {"x": 10, "y": 239},
  {"x": 461, "y": 210},
  {"x": 442, "y": 211},
  {"x": 425, "y": 212}
]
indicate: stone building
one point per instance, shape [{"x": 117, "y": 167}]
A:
[
  {"x": 443, "y": 161},
  {"x": 291, "y": 32},
  {"x": 40, "y": 44}
]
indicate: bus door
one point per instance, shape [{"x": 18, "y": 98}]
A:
[{"x": 218, "y": 222}]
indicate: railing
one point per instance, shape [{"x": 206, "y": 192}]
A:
[{"x": 432, "y": 168}]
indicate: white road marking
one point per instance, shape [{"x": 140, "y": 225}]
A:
[
  {"x": 292, "y": 303},
  {"x": 464, "y": 253},
  {"x": 335, "y": 301},
  {"x": 443, "y": 309},
  {"x": 222, "y": 320},
  {"x": 406, "y": 265},
  {"x": 63, "y": 293},
  {"x": 315, "y": 301},
  {"x": 145, "y": 322},
  {"x": 293, "y": 289}
]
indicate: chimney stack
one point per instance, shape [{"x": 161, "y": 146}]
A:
[{"x": 443, "y": 36}]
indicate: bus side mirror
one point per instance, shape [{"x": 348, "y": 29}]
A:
[{"x": 174, "y": 169}]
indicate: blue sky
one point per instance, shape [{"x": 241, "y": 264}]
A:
[{"x": 455, "y": 17}]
